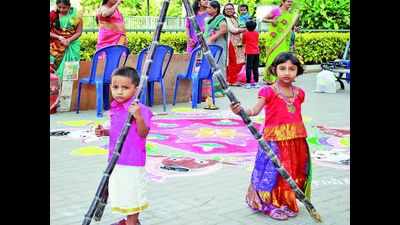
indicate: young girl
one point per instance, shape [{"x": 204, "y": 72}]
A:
[
  {"x": 285, "y": 133},
  {"x": 126, "y": 185}
]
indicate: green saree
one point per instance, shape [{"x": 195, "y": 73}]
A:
[
  {"x": 278, "y": 40},
  {"x": 210, "y": 29}
]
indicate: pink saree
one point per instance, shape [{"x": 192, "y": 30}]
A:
[{"x": 111, "y": 30}]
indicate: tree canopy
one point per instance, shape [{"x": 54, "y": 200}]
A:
[{"x": 315, "y": 14}]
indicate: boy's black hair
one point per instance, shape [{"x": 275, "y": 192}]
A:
[
  {"x": 244, "y": 5},
  {"x": 127, "y": 71},
  {"x": 251, "y": 25},
  {"x": 282, "y": 58}
]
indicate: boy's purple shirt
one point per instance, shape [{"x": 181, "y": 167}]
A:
[{"x": 134, "y": 148}]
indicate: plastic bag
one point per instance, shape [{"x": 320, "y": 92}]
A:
[
  {"x": 326, "y": 82},
  {"x": 242, "y": 75}
]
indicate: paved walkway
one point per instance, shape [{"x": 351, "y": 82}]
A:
[{"x": 216, "y": 198}]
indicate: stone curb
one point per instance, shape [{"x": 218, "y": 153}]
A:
[{"x": 312, "y": 68}]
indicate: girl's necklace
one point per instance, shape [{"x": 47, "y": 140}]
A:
[{"x": 288, "y": 100}]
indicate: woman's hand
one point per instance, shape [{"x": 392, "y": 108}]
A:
[
  {"x": 273, "y": 22},
  {"x": 66, "y": 42},
  {"x": 213, "y": 37},
  {"x": 61, "y": 38}
]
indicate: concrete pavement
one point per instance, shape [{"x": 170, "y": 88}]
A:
[{"x": 216, "y": 198}]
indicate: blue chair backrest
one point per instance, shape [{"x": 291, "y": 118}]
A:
[
  {"x": 112, "y": 56},
  {"x": 156, "y": 70},
  {"x": 139, "y": 61},
  {"x": 205, "y": 68},
  {"x": 192, "y": 62}
]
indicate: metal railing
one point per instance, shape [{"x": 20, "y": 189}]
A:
[
  {"x": 172, "y": 24},
  {"x": 139, "y": 24}
]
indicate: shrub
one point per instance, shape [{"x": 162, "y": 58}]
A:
[
  {"x": 321, "y": 47},
  {"x": 312, "y": 47},
  {"x": 88, "y": 45},
  {"x": 325, "y": 14}
]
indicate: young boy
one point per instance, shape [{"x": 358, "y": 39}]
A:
[
  {"x": 252, "y": 51},
  {"x": 127, "y": 186},
  {"x": 243, "y": 15}
]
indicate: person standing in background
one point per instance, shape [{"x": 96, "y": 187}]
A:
[
  {"x": 200, "y": 10},
  {"x": 236, "y": 57},
  {"x": 111, "y": 25}
]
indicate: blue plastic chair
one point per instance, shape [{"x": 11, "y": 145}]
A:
[
  {"x": 346, "y": 62},
  {"x": 188, "y": 74},
  {"x": 162, "y": 57},
  {"x": 112, "y": 56},
  {"x": 205, "y": 73},
  {"x": 140, "y": 60}
]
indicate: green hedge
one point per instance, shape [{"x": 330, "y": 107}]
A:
[
  {"x": 321, "y": 47},
  {"x": 312, "y": 47}
]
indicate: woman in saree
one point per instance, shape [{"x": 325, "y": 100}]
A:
[
  {"x": 200, "y": 10},
  {"x": 111, "y": 24},
  {"x": 216, "y": 33},
  {"x": 236, "y": 57},
  {"x": 65, "y": 30},
  {"x": 282, "y": 21}
]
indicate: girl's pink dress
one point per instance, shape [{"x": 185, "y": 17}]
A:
[{"x": 285, "y": 133}]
